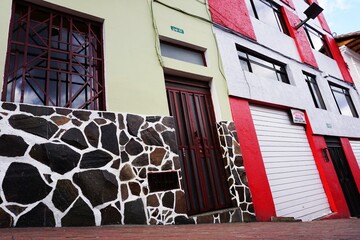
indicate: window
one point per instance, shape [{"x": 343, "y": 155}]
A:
[
  {"x": 182, "y": 53},
  {"x": 343, "y": 101},
  {"x": 317, "y": 41},
  {"x": 268, "y": 12},
  {"x": 262, "y": 66},
  {"x": 314, "y": 90},
  {"x": 54, "y": 59}
]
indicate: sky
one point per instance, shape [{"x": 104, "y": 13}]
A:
[{"x": 343, "y": 16}]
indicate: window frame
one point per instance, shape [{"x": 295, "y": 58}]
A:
[
  {"x": 77, "y": 80},
  {"x": 310, "y": 30},
  {"x": 187, "y": 48},
  {"x": 344, "y": 91},
  {"x": 314, "y": 90},
  {"x": 278, "y": 67},
  {"x": 279, "y": 18}
]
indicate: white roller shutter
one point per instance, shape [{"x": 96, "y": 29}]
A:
[
  {"x": 290, "y": 166},
  {"x": 355, "y": 145}
]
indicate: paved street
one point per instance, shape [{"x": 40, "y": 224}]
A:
[{"x": 329, "y": 229}]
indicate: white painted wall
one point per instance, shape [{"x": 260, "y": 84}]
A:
[
  {"x": 353, "y": 61},
  {"x": 295, "y": 95}
]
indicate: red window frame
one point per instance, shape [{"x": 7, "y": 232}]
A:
[{"x": 54, "y": 59}]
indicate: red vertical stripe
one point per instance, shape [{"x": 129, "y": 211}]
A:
[
  {"x": 321, "y": 19},
  {"x": 335, "y": 52},
  {"x": 301, "y": 40},
  {"x": 289, "y": 3},
  {"x": 232, "y": 14},
  {"x": 354, "y": 166},
  {"x": 328, "y": 175},
  {"x": 253, "y": 162}
]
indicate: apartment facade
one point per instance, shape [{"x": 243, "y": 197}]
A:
[
  {"x": 163, "y": 112},
  {"x": 294, "y": 106}
]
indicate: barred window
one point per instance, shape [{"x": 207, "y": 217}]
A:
[{"x": 54, "y": 59}]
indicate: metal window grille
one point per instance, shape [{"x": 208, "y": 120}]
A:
[{"x": 53, "y": 59}]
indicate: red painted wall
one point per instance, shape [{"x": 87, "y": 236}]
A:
[
  {"x": 328, "y": 175},
  {"x": 321, "y": 19},
  {"x": 349, "y": 154},
  {"x": 253, "y": 162},
  {"x": 338, "y": 58},
  {"x": 232, "y": 14},
  {"x": 289, "y": 3},
  {"x": 301, "y": 40}
]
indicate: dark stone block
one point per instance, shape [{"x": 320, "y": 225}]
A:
[
  {"x": 9, "y": 106},
  {"x": 225, "y": 217},
  {"x": 167, "y": 166},
  {"x": 170, "y": 139},
  {"x": 5, "y": 219},
  {"x": 142, "y": 160},
  {"x": 153, "y": 201},
  {"x": 180, "y": 202},
  {"x": 126, "y": 173},
  {"x": 100, "y": 121},
  {"x": 63, "y": 111},
  {"x": 1, "y": 201},
  {"x": 121, "y": 121},
  {"x": 142, "y": 173},
  {"x": 23, "y": 184},
  {"x": 249, "y": 217},
  {"x": 160, "y": 128},
  {"x": 134, "y": 212},
  {"x": 76, "y": 122},
  {"x": 95, "y": 159},
  {"x": 184, "y": 220},
  {"x": 12, "y": 146},
  {"x": 205, "y": 219},
  {"x": 82, "y": 115},
  {"x": 135, "y": 188},
  {"x": 39, "y": 216},
  {"x": 116, "y": 164},
  {"x": 60, "y": 158},
  {"x": 168, "y": 200},
  {"x": 124, "y": 192},
  {"x": 133, "y": 124},
  {"x": 151, "y": 137},
  {"x": 15, "y": 209},
  {"x": 123, "y": 139},
  {"x": 92, "y": 134},
  {"x": 134, "y": 147},
  {"x": 75, "y": 138},
  {"x": 118, "y": 205},
  {"x": 124, "y": 157},
  {"x": 157, "y": 156},
  {"x": 110, "y": 215},
  {"x": 64, "y": 194},
  {"x": 109, "y": 116},
  {"x": 236, "y": 217},
  {"x": 168, "y": 122},
  {"x": 79, "y": 215},
  {"x": 98, "y": 186},
  {"x": 239, "y": 161},
  {"x": 60, "y": 120},
  {"x": 48, "y": 178},
  {"x": 36, "y": 110},
  {"x": 34, "y": 125},
  {"x": 153, "y": 119},
  {"x": 109, "y": 139}
]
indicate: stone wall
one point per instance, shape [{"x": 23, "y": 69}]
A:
[{"x": 65, "y": 167}]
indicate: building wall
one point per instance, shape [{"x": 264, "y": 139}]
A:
[
  {"x": 271, "y": 43},
  {"x": 353, "y": 61},
  {"x": 131, "y": 53}
]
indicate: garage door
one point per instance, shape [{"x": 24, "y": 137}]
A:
[
  {"x": 355, "y": 145},
  {"x": 290, "y": 167}
]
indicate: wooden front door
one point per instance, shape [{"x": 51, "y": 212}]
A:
[
  {"x": 344, "y": 175},
  {"x": 199, "y": 149}
]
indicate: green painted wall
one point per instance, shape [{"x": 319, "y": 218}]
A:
[{"x": 134, "y": 77}]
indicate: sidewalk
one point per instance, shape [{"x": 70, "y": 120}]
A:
[{"x": 329, "y": 229}]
